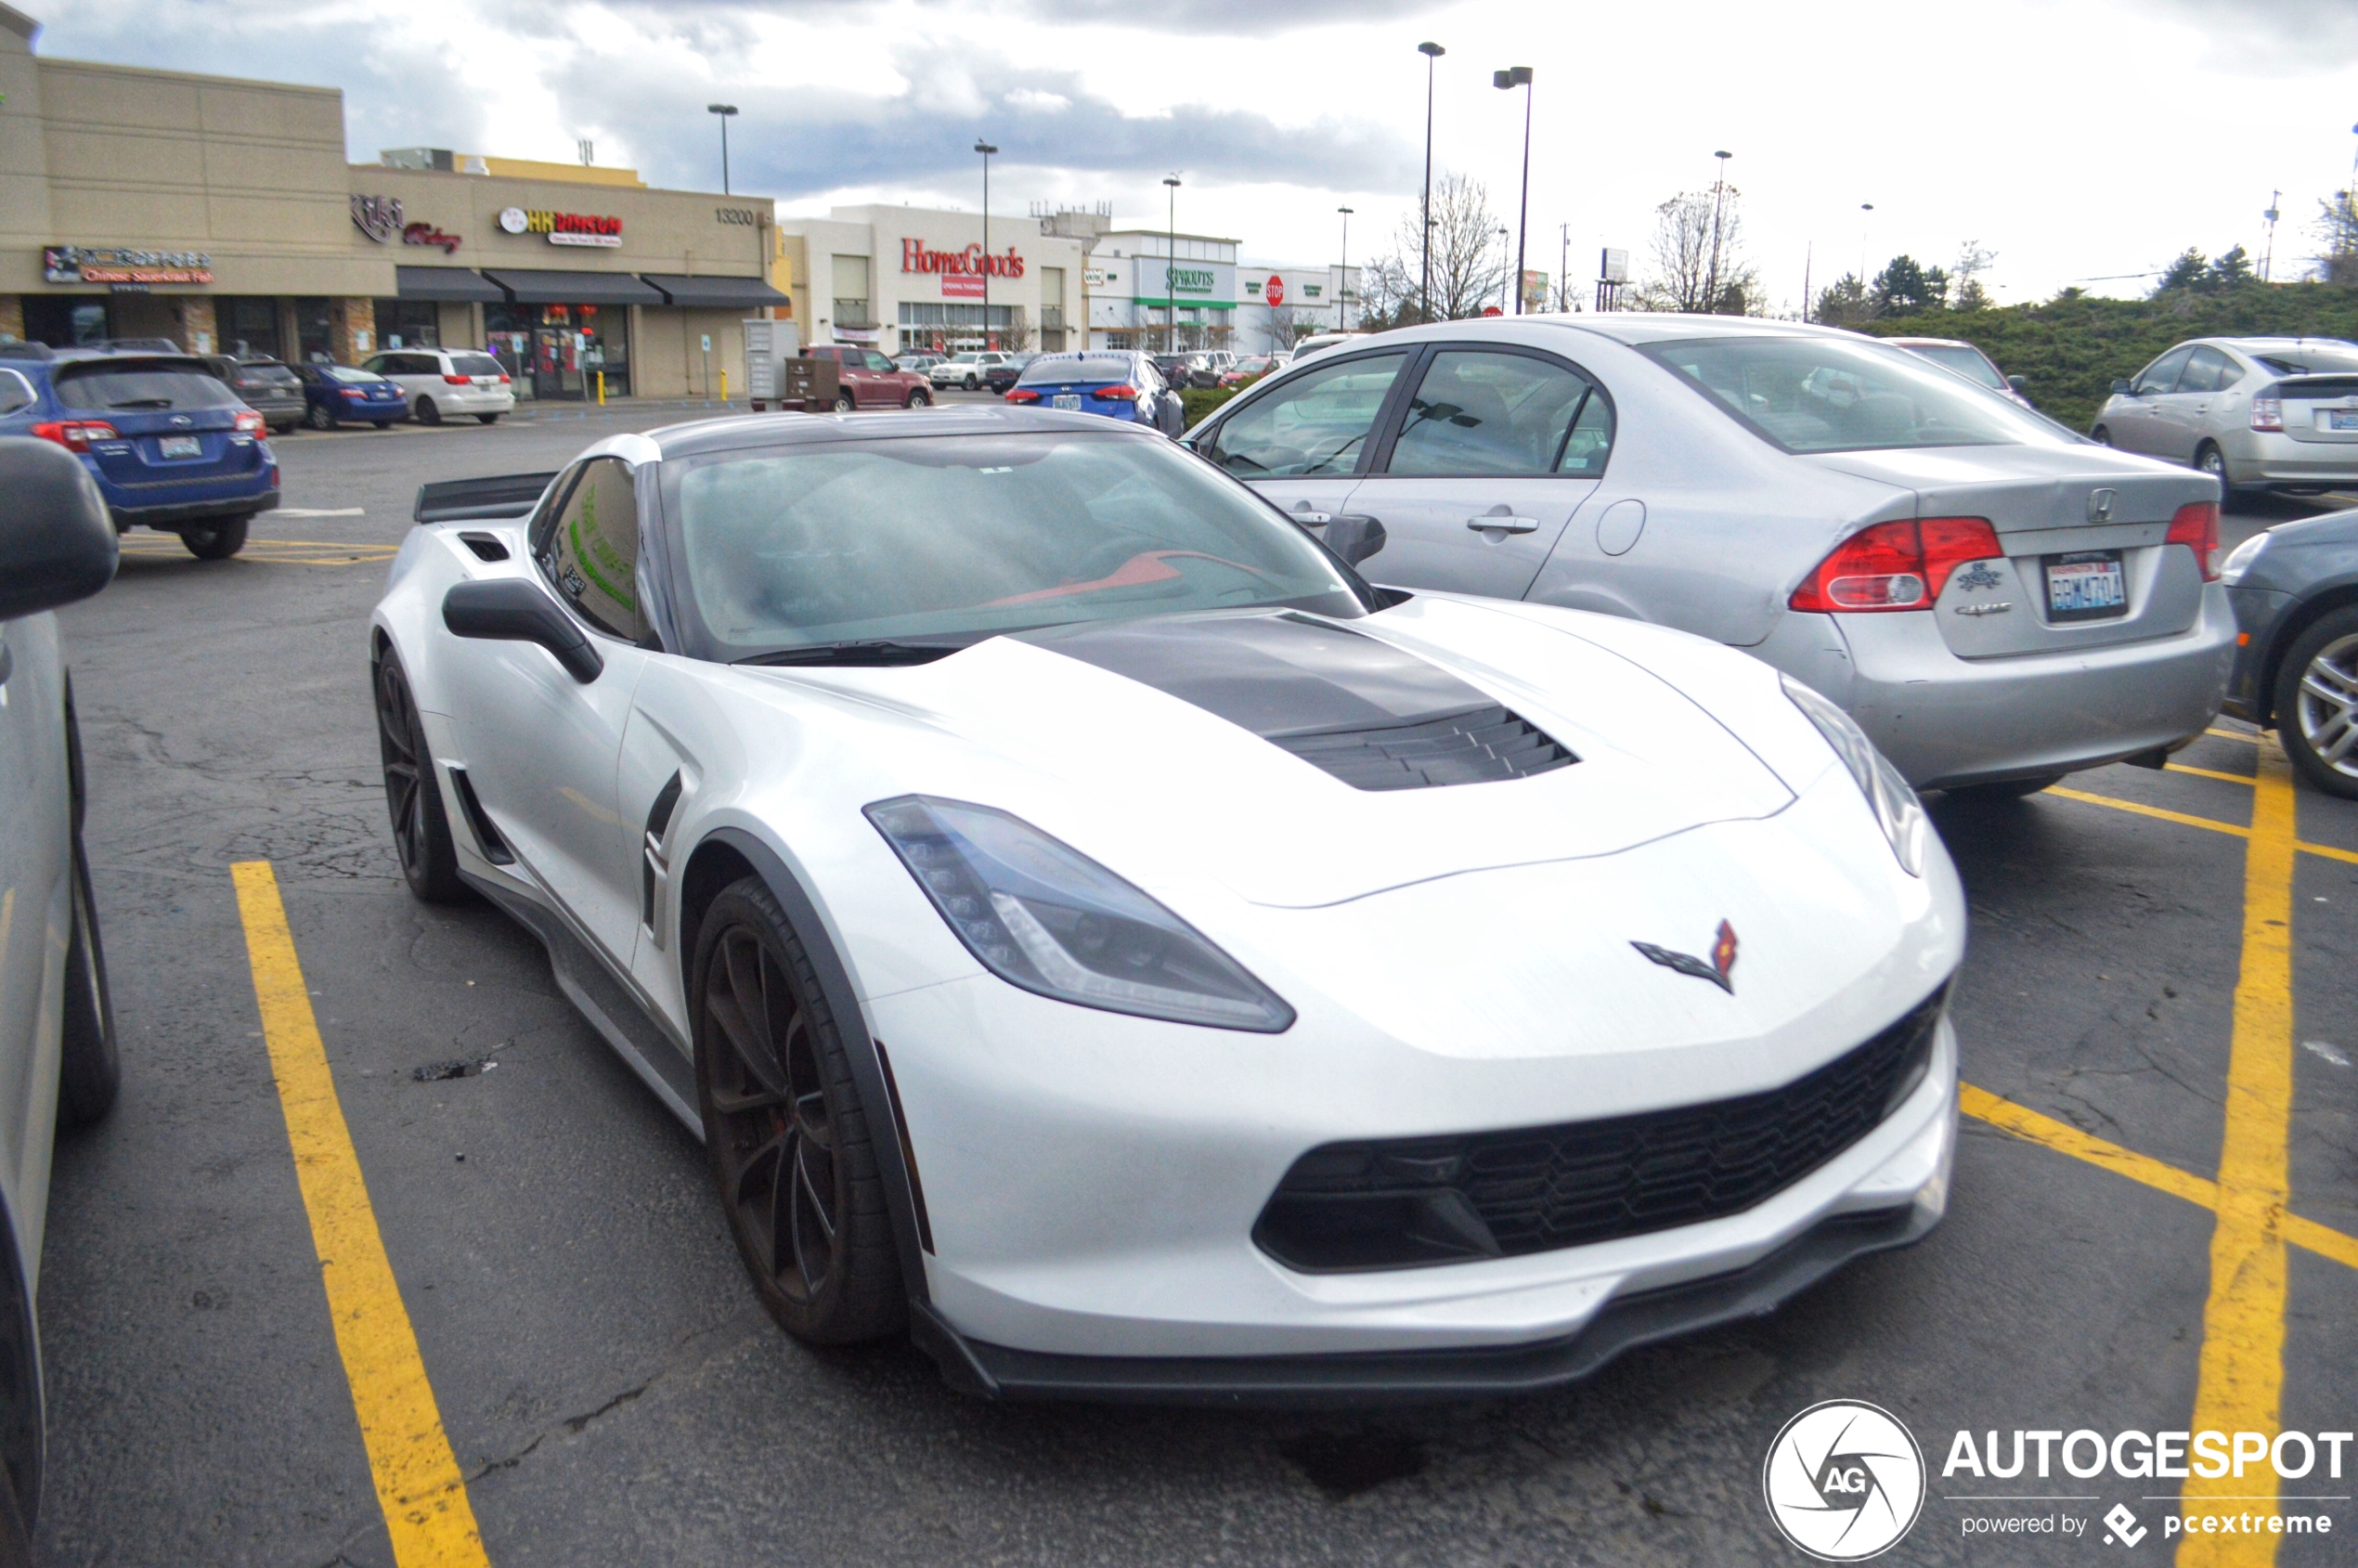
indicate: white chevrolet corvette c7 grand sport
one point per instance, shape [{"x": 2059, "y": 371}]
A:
[{"x": 1096, "y": 933}]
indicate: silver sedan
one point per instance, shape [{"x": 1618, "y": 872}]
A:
[
  {"x": 2254, "y": 413},
  {"x": 1997, "y": 600}
]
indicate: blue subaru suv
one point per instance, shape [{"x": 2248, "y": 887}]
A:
[{"x": 172, "y": 447}]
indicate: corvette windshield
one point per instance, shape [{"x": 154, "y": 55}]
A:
[{"x": 958, "y": 537}]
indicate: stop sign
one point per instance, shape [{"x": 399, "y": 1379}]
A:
[
  {"x": 1490, "y": 310},
  {"x": 1275, "y": 290}
]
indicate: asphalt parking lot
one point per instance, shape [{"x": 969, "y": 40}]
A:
[{"x": 2155, "y": 1208}]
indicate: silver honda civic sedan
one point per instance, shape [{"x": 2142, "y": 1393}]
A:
[
  {"x": 2254, "y": 413},
  {"x": 1997, "y": 600}
]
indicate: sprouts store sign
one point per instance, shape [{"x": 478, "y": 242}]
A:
[{"x": 962, "y": 272}]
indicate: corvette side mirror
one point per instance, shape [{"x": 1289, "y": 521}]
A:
[
  {"x": 1355, "y": 537},
  {"x": 56, "y": 542},
  {"x": 512, "y": 609}
]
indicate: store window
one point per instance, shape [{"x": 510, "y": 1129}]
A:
[
  {"x": 247, "y": 325},
  {"x": 63, "y": 320},
  {"x": 409, "y": 324},
  {"x": 560, "y": 351}
]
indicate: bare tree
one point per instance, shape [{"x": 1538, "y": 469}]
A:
[
  {"x": 1468, "y": 271},
  {"x": 1972, "y": 261},
  {"x": 1691, "y": 273},
  {"x": 1287, "y": 329},
  {"x": 2336, "y": 230}
]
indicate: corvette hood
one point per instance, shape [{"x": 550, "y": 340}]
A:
[{"x": 1303, "y": 762}]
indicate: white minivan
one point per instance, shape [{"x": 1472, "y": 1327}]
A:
[{"x": 441, "y": 382}]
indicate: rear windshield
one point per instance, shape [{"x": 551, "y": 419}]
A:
[
  {"x": 2320, "y": 360},
  {"x": 1094, "y": 367},
  {"x": 349, "y": 373},
  {"x": 473, "y": 365},
  {"x": 267, "y": 375},
  {"x": 1966, "y": 362},
  {"x": 119, "y": 385},
  {"x": 1825, "y": 395}
]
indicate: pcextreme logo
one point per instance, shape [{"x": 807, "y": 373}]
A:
[{"x": 1844, "y": 1481}]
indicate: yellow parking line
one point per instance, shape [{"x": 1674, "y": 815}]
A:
[
  {"x": 2250, "y": 739},
  {"x": 2323, "y": 852},
  {"x": 2032, "y": 1127},
  {"x": 419, "y": 1485},
  {"x": 2240, "y": 1380},
  {"x": 2208, "y": 774}
]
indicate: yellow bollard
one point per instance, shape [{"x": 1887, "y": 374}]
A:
[
  {"x": 602, "y": 389},
  {"x": 725, "y": 384}
]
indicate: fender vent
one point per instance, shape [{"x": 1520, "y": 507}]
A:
[
  {"x": 1482, "y": 746},
  {"x": 487, "y": 546},
  {"x": 495, "y": 849},
  {"x": 651, "y": 864}
]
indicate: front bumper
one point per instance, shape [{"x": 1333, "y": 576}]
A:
[{"x": 1946, "y": 721}]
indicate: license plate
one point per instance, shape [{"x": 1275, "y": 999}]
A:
[
  {"x": 2341, "y": 418},
  {"x": 2085, "y": 586},
  {"x": 180, "y": 446},
  {"x": 1065, "y": 400}
]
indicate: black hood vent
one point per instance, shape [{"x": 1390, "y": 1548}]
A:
[{"x": 1368, "y": 713}]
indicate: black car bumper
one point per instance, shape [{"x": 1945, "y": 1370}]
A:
[
  {"x": 2259, "y": 613},
  {"x": 1422, "y": 1375},
  {"x": 168, "y": 517}
]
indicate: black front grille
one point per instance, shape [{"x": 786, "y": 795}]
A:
[
  {"x": 1486, "y": 745},
  {"x": 1400, "y": 1202}
]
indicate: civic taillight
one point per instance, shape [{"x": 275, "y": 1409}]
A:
[
  {"x": 1896, "y": 566},
  {"x": 1019, "y": 395},
  {"x": 1118, "y": 393},
  {"x": 2196, "y": 527},
  {"x": 2267, "y": 413},
  {"x": 75, "y": 435},
  {"x": 250, "y": 424}
]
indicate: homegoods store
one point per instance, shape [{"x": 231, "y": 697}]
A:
[{"x": 905, "y": 278}]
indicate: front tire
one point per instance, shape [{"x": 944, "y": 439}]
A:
[
  {"x": 89, "y": 1063},
  {"x": 970, "y": 384},
  {"x": 413, "y": 796},
  {"x": 488, "y": 419},
  {"x": 2101, "y": 436},
  {"x": 784, "y": 1129},
  {"x": 844, "y": 403},
  {"x": 919, "y": 399},
  {"x": 216, "y": 539},
  {"x": 427, "y": 410},
  {"x": 2317, "y": 703}
]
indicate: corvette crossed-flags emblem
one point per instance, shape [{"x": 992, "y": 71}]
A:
[{"x": 1723, "y": 959}]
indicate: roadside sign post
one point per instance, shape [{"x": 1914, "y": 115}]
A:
[{"x": 707, "y": 364}]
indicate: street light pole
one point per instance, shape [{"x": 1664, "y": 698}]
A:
[
  {"x": 1519, "y": 76},
  {"x": 1867, "y": 207},
  {"x": 724, "y": 111},
  {"x": 1503, "y": 232},
  {"x": 1431, "y": 53},
  {"x": 1170, "y": 262},
  {"x": 1563, "y": 267},
  {"x": 1719, "y": 195},
  {"x": 1343, "y": 280},
  {"x": 985, "y": 149}
]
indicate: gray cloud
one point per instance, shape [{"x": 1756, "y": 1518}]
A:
[{"x": 2298, "y": 35}]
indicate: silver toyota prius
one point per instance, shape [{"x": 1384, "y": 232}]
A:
[
  {"x": 2254, "y": 413},
  {"x": 1997, "y": 600}
]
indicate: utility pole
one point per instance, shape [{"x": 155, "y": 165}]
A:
[
  {"x": 1563, "y": 267},
  {"x": 1719, "y": 196},
  {"x": 725, "y": 111},
  {"x": 1431, "y": 53},
  {"x": 1504, "y": 283},
  {"x": 985, "y": 149},
  {"x": 1171, "y": 261},
  {"x": 1505, "y": 80},
  {"x": 1342, "y": 277},
  {"x": 2268, "y": 260},
  {"x": 1869, "y": 207}
]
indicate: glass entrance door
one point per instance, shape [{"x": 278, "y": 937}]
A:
[{"x": 556, "y": 362}]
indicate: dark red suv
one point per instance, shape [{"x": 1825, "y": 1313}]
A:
[{"x": 867, "y": 380}]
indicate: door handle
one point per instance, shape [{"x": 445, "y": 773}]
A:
[
  {"x": 1505, "y": 524},
  {"x": 1311, "y": 519}
]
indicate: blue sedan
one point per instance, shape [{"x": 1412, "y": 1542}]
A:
[
  {"x": 334, "y": 394},
  {"x": 1115, "y": 383}
]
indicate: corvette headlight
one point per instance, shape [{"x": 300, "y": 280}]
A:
[
  {"x": 1896, "y": 806},
  {"x": 1041, "y": 915}
]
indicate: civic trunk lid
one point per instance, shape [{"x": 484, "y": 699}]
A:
[
  {"x": 2082, "y": 528},
  {"x": 2321, "y": 410}
]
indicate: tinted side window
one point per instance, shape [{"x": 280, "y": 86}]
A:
[
  {"x": 1481, "y": 414},
  {"x": 2202, "y": 371},
  {"x": 2162, "y": 374},
  {"x": 876, "y": 361},
  {"x": 1315, "y": 424},
  {"x": 590, "y": 555}
]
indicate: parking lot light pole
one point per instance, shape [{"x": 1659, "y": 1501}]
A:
[
  {"x": 1170, "y": 262},
  {"x": 1868, "y": 208},
  {"x": 1519, "y": 76},
  {"x": 985, "y": 149},
  {"x": 725, "y": 111},
  {"x": 1424, "y": 289},
  {"x": 1503, "y": 233},
  {"x": 1342, "y": 277},
  {"x": 1719, "y": 195}
]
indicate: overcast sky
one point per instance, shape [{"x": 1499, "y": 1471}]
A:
[{"x": 2076, "y": 139}]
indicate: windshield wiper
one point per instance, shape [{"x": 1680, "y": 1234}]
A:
[{"x": 862, "y": 651}]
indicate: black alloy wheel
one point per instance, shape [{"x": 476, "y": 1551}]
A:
[
  {"x": 216, "y": 539},
  {"x": 317, "y": 417},
  {"x": 427, "y": 409},
  {"x": 421, "y": 827},
  {"x": 783, "y": 1128}
]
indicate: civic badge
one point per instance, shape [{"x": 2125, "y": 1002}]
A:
[
  {"x": 1723, "y": 958},
  {"x": 2100, "y": 506}
]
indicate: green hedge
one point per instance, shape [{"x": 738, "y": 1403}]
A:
[
  {"x": 1200, "y": 401},
  {"x": 2071, "y": 349}
]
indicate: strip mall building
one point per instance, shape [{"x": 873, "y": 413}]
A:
[{"x": 222, "y": 213}]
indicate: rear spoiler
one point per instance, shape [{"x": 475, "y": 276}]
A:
[{"x": 501, "y": 495}]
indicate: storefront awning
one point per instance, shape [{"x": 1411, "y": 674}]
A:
[
  {"x": 724, "y": 293},
  {"x": 444, "y": 283},
  {"x": 575, "y": 288}
]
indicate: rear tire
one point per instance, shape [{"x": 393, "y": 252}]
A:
[
  {"x": 2316, "y": 704},
  {"x": 89, "y": 1065},
  {"x": 216, "y": 539},
  {"x": 2101, "y": 436},
  {"x": 788, "y": 1139},
  {"x": 2209, "y": 460},
  {"x": 2010, "y": 789},
  {"x": 488, "y": 419},
  {"x": 317, "y": 417},
  {"x": 413, "y": 796},
  {"x": 844, "y": 403},
  {"x": 426, "y": 409}
]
